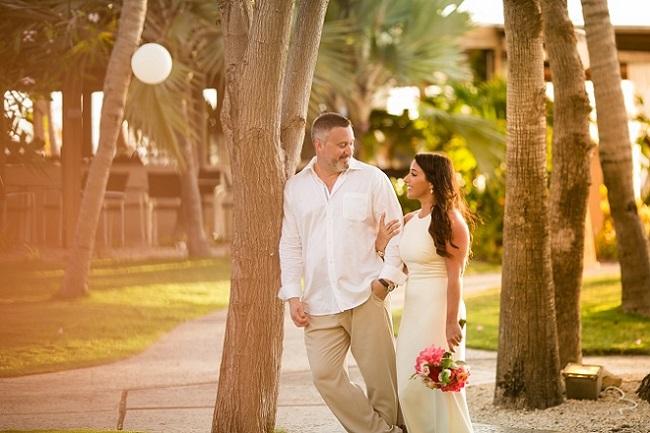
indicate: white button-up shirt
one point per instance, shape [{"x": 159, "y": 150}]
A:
[{"x": 328, "y": 238}]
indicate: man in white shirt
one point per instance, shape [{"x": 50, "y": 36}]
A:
[{"x": 331, "y": 214}]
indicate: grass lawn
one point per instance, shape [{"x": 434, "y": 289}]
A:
[
  {"x": 606, "y": 329},
  {"x": 129, "y": 307}
]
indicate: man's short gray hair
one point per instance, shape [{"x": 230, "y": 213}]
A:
[{"x": 325, "y": 122}]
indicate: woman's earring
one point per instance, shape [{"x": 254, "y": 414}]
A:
[{"x": 431, "y": 189}]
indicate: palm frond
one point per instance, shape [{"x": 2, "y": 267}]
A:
[
  {"x": 188, "y": 29},
  {"x": 160, "y": 112},
  {"x": 334, "y": 73},
  {"x": 484, "y": 138},
  {"x": 424, "y": 43}
]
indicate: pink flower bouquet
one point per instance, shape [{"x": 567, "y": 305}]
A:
[{"x": 438, "y": 370}]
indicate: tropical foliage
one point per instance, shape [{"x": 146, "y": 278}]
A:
[
  {"x": 187, "y": 29},
  {"x": 367, "y": 47},
  {"x": 79, "y": 34},
  {"x": 370, "y": 45},
  {"x": 467, "y": 122}
]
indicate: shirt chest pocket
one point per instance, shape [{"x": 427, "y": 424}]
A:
[{"x": 356, "y": 206}]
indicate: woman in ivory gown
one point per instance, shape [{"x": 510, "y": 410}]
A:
[{"x": 434, "y": 247}]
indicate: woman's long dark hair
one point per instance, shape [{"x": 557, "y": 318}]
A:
[{"x": 447, "y": 195}]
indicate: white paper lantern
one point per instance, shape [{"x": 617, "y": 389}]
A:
[{"x": 151, "y": 63}]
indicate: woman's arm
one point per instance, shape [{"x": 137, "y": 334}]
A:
[{"x": 455, "y": 266}]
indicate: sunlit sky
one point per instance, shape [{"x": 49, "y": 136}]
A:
[{"x": 622, "y": 12}]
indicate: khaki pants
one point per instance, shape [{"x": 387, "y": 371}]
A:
[{"x": 368, "y": 331}]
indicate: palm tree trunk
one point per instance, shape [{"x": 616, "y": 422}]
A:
[
  {"x": 197, "y": 242},
  {"x": 528, "y": 372},
  {"x": 4, "y": 135},
  {"x": 40, "y": 112},
  {"x": 360, "y": 108},
  {"x": 252, "y": 121},
  {"x": 192, "y": 206},
  {"x": 250, "y": 363},
  {"x": 201, "y": 150},
  {"x": 55, "y": 148},
  {"x": 220, "y": 137},
  {"x": 616, "y": 157},
  {"x": 300, "y": 69},
  {"x": 570, "y": 176},
  {"x": 118, "y": 76}
]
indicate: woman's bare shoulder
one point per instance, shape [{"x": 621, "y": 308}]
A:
[{"x": 458, "y": 224}]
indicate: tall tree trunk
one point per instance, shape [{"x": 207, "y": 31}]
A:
[
  {"x": 55, "y": 147},
  {"x": 118, "y": 76},
  {"x": 40, "y": 113},
  {"x": 4, "y": 134},
  {"x": 197, "y": 242},
  {"x": 570, "y": 177},
  {"x": 300, "y": 69},
  {"x": 528, "y": 371},
  {"x": 256, "y": 45},
  {"x": 220, "y": 138},
  {"x": 201, "y": 150},
  {"x": 71, "y": 156},
  {"x": 616, "y": 157},
  {"x": 360, "y": 108},
  {"x": 250, "y": 363}
]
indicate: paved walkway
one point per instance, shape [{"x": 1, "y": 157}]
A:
[{"x": 171, "y": 387}]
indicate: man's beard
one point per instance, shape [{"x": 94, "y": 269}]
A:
[{"x": 342, "y": 164}]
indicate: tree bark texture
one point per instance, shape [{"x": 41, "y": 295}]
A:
[
  {"x": 301, "y": 64},
  {"x": 4, "y": 138},
  {"x": 616, "y": 157},
  {"x": 116, "y": 84},
  {"x": 55, "y": 147},
  {"x": 528, "y": 372},
  {"x": 198, "y": 244},
  {"x": 197, "y": 241},
  {"x": 570, "y": 176},
  {"x": 256, "y": 47}
]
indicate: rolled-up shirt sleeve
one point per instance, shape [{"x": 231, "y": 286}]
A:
[
  {"x": 291, "y": 257},
  {"x": 386, "y": 202}
]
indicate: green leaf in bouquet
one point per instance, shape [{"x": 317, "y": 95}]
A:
[
  {"x": 447, "y": 363},
  {"x": 445, "y": 376}
]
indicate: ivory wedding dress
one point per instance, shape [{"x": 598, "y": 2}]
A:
[{"x": 423, "y": 324}]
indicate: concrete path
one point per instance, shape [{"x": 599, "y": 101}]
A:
[{"x": 171, "y": 387}]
